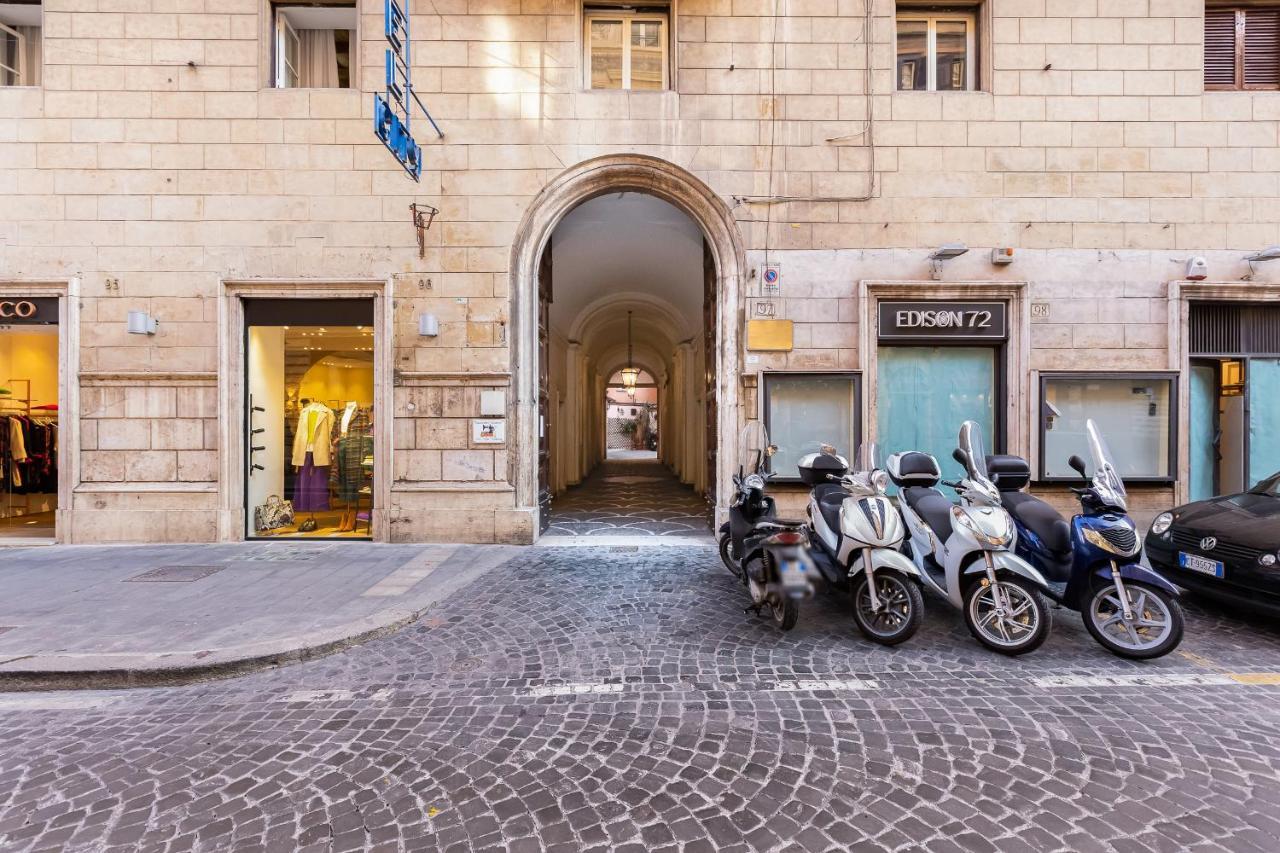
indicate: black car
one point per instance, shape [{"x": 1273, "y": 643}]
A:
[{"x": 1228, "y": 546}]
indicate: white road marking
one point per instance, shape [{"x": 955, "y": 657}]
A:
[
  {"x": 827, "y": 684},
  {"x": 54, "y": 701},
  {"x": 574, "y": 689},
  {"x": 1177, "y": 679},
  {"x": 335, "y": 695}
]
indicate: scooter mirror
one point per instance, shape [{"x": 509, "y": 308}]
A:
[
  {"x": 1077, "y": 465},
  {"x": 961, "y": 457}
]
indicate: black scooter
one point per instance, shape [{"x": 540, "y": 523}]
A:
[{"x": 768, "y": 554}]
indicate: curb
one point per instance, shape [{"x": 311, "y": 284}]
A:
[{"x": 99, "y": 676}]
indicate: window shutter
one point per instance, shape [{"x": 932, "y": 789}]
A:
[
  {"x": 1220, "y": 48},
  {"x": 1262, "y": 48}
]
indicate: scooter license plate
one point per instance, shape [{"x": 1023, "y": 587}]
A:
[
  {"x": 793, "y": 574},
  {"x": 1203, "y": 565}
]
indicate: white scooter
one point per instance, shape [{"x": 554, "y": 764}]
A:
[
  {"x": 856, "y": 534},
  {"x": 965, "y": 552}
]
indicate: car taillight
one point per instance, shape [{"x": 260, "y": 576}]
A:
[{"x": 787, "y": 538}]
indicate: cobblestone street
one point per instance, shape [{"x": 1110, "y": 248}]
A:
[
  {"x": 629, "y": 497},
  {"x": 620, "y": 699}
]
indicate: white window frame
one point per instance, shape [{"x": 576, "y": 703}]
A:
[
  {"x": 627, "y": 18},
  {"x": 931, "y": 48},
  {"x": 21, "y": 74},
  {"x": 286, "y": 76}
]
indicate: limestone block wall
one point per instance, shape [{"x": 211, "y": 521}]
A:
[{"x": 153, "y": 164}]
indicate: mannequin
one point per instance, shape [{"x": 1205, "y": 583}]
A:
[{"x": 311, "y": 458}]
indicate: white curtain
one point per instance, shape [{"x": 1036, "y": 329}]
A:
[
  {"x": 32, "y": 64},
  {"x": 318, "y": 59}
]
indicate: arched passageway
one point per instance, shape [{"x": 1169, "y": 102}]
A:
[
  {"x": 628, "y": 359},
  {"x": 537, "y": 454}
]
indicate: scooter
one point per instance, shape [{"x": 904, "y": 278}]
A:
[
  {"x": 965, "y": 552},
  {"x": 768, "y": 554},
  {"x": 1092, "y": 563},
  {"x": 855, "y": 534}
]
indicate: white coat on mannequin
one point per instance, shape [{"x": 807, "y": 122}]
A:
[{"x": 313, "y": 435}]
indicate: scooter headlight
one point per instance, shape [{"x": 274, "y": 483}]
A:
[
  {"x": 1162, "y": 523},
  {"x": 754, "y": 481},
  {"x": 880, "y": 481},
  {"x": 997, "y": 538},
  {"x": 1097, "y": 539}
]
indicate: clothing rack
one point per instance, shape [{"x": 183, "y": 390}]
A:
[{"x": 12, "y": 405}]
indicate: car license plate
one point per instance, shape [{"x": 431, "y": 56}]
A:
[{"x": 1202, "y": 565}]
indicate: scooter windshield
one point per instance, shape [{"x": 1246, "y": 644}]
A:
[
  {"x": 972, "y": 445},
  {"x": 1106, "y": 474},
  {"x": 869, "y": 456},
  {"x": 753, "y": 448}
]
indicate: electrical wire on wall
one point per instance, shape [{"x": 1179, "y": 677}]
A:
[{"x": 867, "y": 133}]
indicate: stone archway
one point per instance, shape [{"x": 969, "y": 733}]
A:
[{"x": 575, "y": 185}]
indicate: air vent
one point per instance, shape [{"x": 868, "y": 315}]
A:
[{"x": 1234, "y": 329}]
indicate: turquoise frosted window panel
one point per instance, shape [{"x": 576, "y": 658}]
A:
[
  {"x": 1264, "y": 418},
  {"x": 807, "y": 411},
  {"x": 923, "y": 394},
  {"x": 1133, "y": 413},
  {"x": 1204, "y": 457}
]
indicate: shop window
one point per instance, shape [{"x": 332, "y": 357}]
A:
[
  {"x": 21, "y": 45},
  {"x": 803, "y": 411},
  {"x": 626, "y": 48},
  {"x": 309, "y": 444},
  {"x": 1242, "y": 46},
  {"x": 29, "y": 376},
  {"x": 313, "y": 44},
  {"x": 1134, "y": 411},
  {"x": 937, "y": 48}
]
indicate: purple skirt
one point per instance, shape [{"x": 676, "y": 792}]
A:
[{"x": 311, "y": 489}]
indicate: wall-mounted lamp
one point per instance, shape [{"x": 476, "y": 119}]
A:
[
  {"x": 142, "y": 323},
  {"x": 428, "y": 325},
  {"x": 945, "y": 252},
  {"x": 1270, "y": 253}
]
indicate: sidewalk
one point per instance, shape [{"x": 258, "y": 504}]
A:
[{"x": 118, "y": 616}]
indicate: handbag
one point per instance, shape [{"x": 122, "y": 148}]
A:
[{"x": 273, "y": 514}]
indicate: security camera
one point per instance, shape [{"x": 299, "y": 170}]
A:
[
  {"x": 1197, "y": 269},
  {"x": 1271, "y": 253}
]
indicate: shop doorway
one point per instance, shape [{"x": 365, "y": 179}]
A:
[
  {"x": 309, "y": 418},
  {"x": 1235, "y": 382},
  {"x": 628, "y": 370},
  {"x": 29, "y": 424}
]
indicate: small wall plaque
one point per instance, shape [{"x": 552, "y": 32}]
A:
[
  {"x": 489, "y": 431},
  {"x": 770, "y": 335}
]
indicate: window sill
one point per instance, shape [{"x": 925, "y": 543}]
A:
[
  {"x": 918, "y": 93},
  {"x": 307, "y": 89}
]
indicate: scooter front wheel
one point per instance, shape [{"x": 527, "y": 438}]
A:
[
  {"x": 1155, "y": 628},
  {"x": 1009, "y": 616},
  {"x": 726, "y": 555},
  {"x": 901, "y": 608}
]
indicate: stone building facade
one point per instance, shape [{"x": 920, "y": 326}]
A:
[{"x": 155, "y": 169}]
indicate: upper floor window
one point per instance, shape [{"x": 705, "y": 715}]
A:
[
  {"x": 20, "y": 43},
  {"x": 313, "y": 46},
  {"x": 1242, "y": 47},
  {"x": 625, "y": 49},
  {"x": 937, "y": 48}
]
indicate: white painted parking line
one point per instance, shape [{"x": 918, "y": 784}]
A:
[
  {"x": 1172, "y": 679},
  {"x": 574, "y": 689},
  {"x": 54, "y": 701},
  {"x": 826, "y": 684},
  {"x": 335, "y": 695}
]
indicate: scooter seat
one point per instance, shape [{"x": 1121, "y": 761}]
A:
[
  {"x": 830, "y": 504},
  {"x": 1042, "y": 520},
  {"x": 824, "y": 490},
  {"x": 932, "y": 506}
]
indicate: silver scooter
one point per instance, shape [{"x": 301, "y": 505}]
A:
[
  {"x": 965, "y": 552},
  {"x": 856, "y": 536}
]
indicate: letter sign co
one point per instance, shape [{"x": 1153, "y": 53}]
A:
[
  {"x": 23, "y": 310},
  {"x": 942, "y": 320}
]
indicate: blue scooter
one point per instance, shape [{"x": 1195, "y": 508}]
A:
[{"x": 1092, "y": 563}]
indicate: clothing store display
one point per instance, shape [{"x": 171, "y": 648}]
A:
[
  {"x": 28, "y": 454},
  {"x": 349, "y": 449},
  {"x": 313, "y": 435},
  {"x": 311, "y": 488},
  {"x": 272, "y": 515}
]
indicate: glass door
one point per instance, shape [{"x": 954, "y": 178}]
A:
[
  {"x": 924, "y": 393},
  {"x": 1264, "y": 418},
  {"x": 309, "y": 418},
  {"x": 29, "y": 437},
  {"x": 1204, "y": 428}
]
